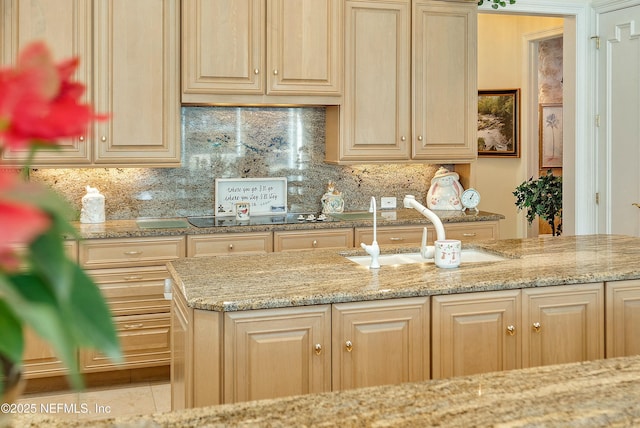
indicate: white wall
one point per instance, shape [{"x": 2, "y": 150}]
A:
[{"x": 500, "y": 66}]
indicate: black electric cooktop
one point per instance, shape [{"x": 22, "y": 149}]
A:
[{"x": 291, "y": 218}]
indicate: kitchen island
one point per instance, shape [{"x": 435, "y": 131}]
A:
[{"x": 269, "y": 325}]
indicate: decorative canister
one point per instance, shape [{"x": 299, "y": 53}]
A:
[{"x": 92, "y": 206}]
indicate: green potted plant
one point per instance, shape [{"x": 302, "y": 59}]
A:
[
  {"x": 542, "y": 197},
  {"x": 40, "y": 287}
]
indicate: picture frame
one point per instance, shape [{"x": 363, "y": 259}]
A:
[
  {"x": 499, "y": 123},
  {"x": 550, "y": 135}
]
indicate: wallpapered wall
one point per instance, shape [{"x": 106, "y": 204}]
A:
[{"x": 229, "y": 142}]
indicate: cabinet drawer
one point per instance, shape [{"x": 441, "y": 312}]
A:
[
  {"x": 145, "y": 342},
  {"x": 131, "y": 291},
  {"x": 311, "y": 239},
  {"x": 229, "y": 243},
  {"x": 394, "y": 235},
  {"x": 467, "y": 232},
  {"x": 97, "y": 253}
]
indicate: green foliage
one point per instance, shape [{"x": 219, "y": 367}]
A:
[
  {"x": 542, "y": 197},
  {"x": 500, "y": 107},
  {"x": 496, "y": 3}
]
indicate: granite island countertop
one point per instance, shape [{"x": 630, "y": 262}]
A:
[
  {"x": 400, "y": 217},
  {"x": 590, "y": 394},
  {"x": 312, "y": 277}
]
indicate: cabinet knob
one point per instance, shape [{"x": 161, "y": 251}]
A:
[
  {"x": 511, "y": 330},
  {"x": 82, "y": 138},
  {"x": 419, "y": 137},
  {"x": 318, "y": 349},
  {"x": 537, "y": 327},
  {"x": 275, "y": 72},
  {"x": 403, "y": 138},
  {"x": 348, "y": 346},
  {"x": 314, "y": 243},
  {"x": 104, "y": 138},
  {"x": 230, "y": 246},
  {"x": 256, "y": 71}
]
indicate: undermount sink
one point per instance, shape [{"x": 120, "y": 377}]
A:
[{"x": 469, "y": 255}]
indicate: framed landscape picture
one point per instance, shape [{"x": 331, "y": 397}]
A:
[
  {"x": 499, "y": 123},
  {"x": 550, "y": 129}
]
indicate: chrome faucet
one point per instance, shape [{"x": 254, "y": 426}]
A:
[
  {"x": 373, "y": 250},
  {"x": 427, "y": 252}
]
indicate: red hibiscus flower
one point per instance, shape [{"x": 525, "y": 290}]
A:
[{"x": 38, "y": 101}]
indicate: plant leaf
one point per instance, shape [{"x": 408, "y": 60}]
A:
[{"x": 12, "y": 339}]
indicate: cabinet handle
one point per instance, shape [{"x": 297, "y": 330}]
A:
[
  {"x": 314, "y": 243},
  {"x": 318, "y": 348},
  {"x": 256, "y": 71},
  {"x": 469, "y": 234},
  {"x": 348, "y": 345},
  {"x": 82, "y": 138},
  {"x": 419, "y": 137},
  {"x": 511, "y": 330},
  {"x": 396, "y": 239},
  {"x": 537, "y": 327},
  {"x": 132, "y": 253},
  {"x": 132, "y": 326},
  {"x": 230, "y": 246},
  {"x": 275, "y": 72},
  {"x": 132, "y": 278},
  {"x": 104, "y": 138},
  {"x": 403, "y": 138}
]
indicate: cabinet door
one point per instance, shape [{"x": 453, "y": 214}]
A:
[
  {"x": 472, "y": 231},
  {"x": 375, "y": 117},
  {"x": 136, "y": 80},
  {"x": 65, "y": 26},
  {"x": 39, "y": 359},
  {"x": 277, "y": 352},
  {"x": 222, "y": 43},
  {"x": 305, "y": 47},
  {"x": 445, "y": 78},
  {"x": 475, "y": 333},
  {"x": 562, "y": 324},
  {"x": 382, "y": 342},
  {"x": 623, "y": 318},
  {"x": 181, "y": 334}
]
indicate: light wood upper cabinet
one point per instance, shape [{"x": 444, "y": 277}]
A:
[
  {"x": 381, "y": 342},
  {"x": 375, "y": 118},
  {"x": 623, "y": 318},
  {"x": 410, "y": 83},
  {"x": 136, "y": 80},
  {"x": 129, "y": 61},
  {"x": 65, "y": 26},
  {"x": 239, "y": 51},
  {"x": 445, "y": 81}
]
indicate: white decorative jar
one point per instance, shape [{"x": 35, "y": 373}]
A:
[{"x": 92, "y": 206}]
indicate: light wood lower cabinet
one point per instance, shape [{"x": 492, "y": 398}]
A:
[
  {"x": 229, "y": 243},
  {"x": 410, "y": 235},
  {"x": 472, "y": 231},
  {"x": 293, "y": 240},
  {"x": 380, "y": 342},
  {"x": 277, "y": 352},
  {"x": 562, "y": 324},
  {"x": 623, "y": 318},
  {"x": 475, "y": 333},
  {"x": 499, "y": 330}
]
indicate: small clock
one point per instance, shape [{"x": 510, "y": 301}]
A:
[{"x": 470, "y": 199}]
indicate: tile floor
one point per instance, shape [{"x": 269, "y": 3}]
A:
[{"x": 103, "y": 403}]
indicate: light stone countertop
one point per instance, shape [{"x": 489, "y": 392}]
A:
[
  {"x": 399, "y": 217},
  {"x": 312, "y": 277},
  {"x": 603, "y": 393}
]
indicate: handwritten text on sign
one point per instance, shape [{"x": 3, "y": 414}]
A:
[{"x": 265, "y": 195}]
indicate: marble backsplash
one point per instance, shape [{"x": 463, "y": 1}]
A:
[{"x": 231, "y": 142}]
